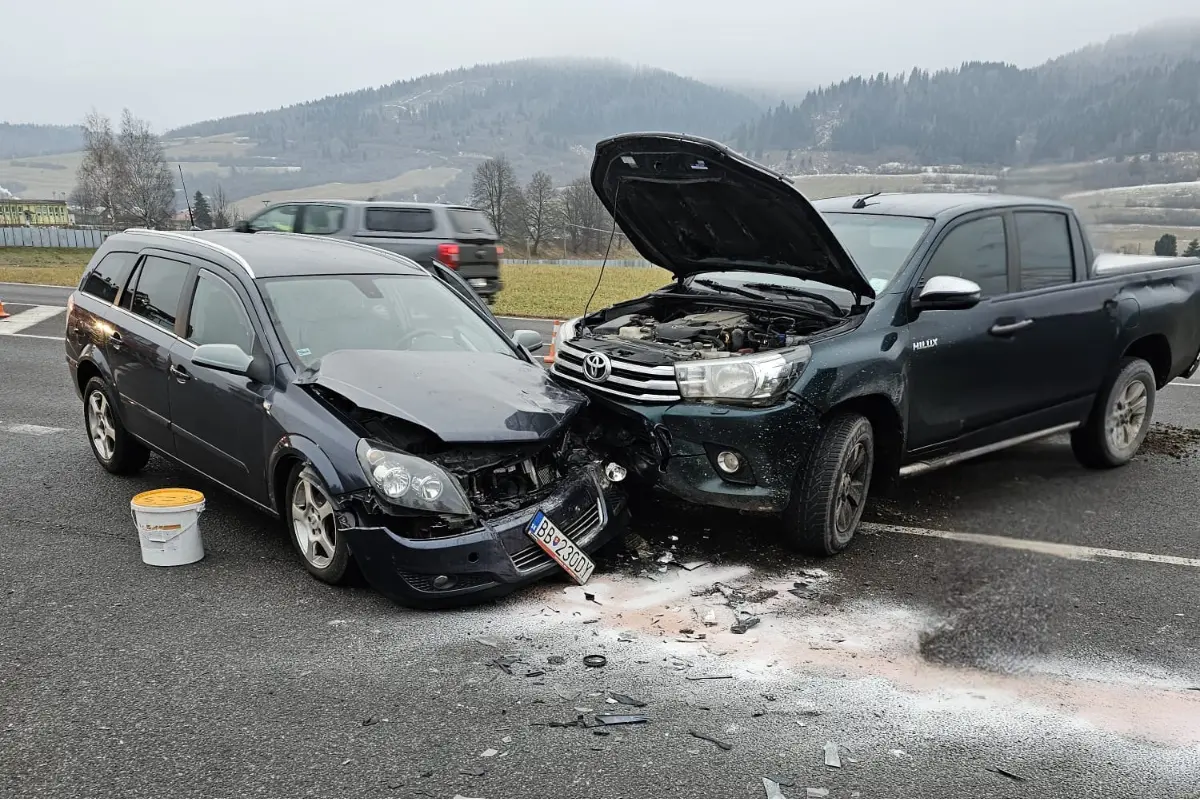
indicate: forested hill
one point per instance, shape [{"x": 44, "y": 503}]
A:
[
  {"x": 1133, "y": 94},
  {"x": 20, "y": 141}
]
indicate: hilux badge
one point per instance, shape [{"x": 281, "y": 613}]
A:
[{"x": 597, "y": 367}]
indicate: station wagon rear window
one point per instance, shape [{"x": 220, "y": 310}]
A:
[
  {"x": 399, "y": 220},
  {"x": 109, "y": 276}
]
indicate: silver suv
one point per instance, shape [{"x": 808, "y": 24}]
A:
[{"x": 460, "y": 237}]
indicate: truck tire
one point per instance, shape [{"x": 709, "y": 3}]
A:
[
  {"x": 1120, "y": 418},
  {"x": 830, "y": 491}
]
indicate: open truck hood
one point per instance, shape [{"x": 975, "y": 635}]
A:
[
  {"x": 459, "y": 397},
  {"x": 693, "y": 205}
]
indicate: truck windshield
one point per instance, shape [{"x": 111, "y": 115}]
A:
[
  {"x": 318, "y": 314},
  {"x": 878, "y": 243}
]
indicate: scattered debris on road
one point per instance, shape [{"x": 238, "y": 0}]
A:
[
  {"x": 594, "y": 660},
  {"x": 832, "y": 758},
  {"x": 816, "y": 792},
  {"x": 621, "y": 719},
  {"x": 625, "y": 700},
  {"x": 713, "y": 739},
  {"x": 744, "y": 624},
  {"x": 772, "y": 788},
  {"x": 491, "y": 751},
  {"x": 1011, "y": 775}
]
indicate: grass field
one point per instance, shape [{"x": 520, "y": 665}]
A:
[{"x": 543, "y": 290}]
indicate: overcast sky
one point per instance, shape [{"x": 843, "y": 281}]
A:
[{"x": 175, "y": 61}]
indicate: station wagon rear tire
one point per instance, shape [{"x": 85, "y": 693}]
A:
[
  {"x": 830, "y": 491},
  {"x": 112, "y": 445},
  {"x": 1120, "y": 418},
  {"x": 324, "y": 553}
]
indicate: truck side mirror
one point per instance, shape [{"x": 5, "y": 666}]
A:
[
  {"x": 242, "y": 226},
  {"x": 948, "y": 293}
]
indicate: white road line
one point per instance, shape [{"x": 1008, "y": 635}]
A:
[
  {"x": 1074, "y": 551},
  {"x": 30, "y": 430},
  {"x": 1181, "y": 383},
  {"x": 33, "y": 336},
  {"x": 27, "y": 319}
]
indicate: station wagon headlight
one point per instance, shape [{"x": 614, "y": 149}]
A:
[
  {"x": 753, "y": 378},
  {"x": 410, "y": 481}
]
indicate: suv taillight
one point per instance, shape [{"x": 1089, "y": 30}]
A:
[{"x": 448, "y": 254}]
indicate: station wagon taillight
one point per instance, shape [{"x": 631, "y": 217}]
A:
[{"x": 448, "y": 254}]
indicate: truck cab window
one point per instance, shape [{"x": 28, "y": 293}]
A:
[
  {"x": 1045, "y": 244},
  {"x": 975, "y": 250},
  {"x": 281, "y": 218}
]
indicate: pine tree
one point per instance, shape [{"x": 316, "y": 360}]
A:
[
  {"x": 1193, "y": 249},
  {"x": 1167, "y": 245},
  {"x": 201, "y": 213}
]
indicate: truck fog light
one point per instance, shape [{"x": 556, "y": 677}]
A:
[
  {"x": 444, "y": 582},
  {"x": 615, "y": 472},
  {"x": 728, "y": 461}
]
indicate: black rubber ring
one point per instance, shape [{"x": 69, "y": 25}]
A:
[{"x": 594, "y": 661}]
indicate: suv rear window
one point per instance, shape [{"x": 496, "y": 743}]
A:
[
  {"x": 109, "y": 276},
  {"x": 400, "y": 220},
  {"x": 471, "y": 222}
]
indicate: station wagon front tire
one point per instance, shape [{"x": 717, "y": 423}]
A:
[
  {"x": 1120, "y": 418},
  {"x": 112, "y": 445},
  {"x": 313, "y": 527},
  {"x": 830, "y": 491}
]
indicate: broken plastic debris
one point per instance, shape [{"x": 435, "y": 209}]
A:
[
  {"x": 1011, "y": 775},
  {"x": 772, "y": 788},
  {"x": 487, "y": 642},
  {"x": 816, "y": 792},
  {"x": 489, "y": 753},
  {"x": 707, "y": 677},
  {"x": 814, "y": 573},
  {"x": 625, "y": 700},
  {"x": 507, "y": 740},
  {"x": 898, "y": 753},
  {"x": 621, "y": 719},
  {"x": 665, "y": 558},
  {"x": 744, "y": 624},
  {"x": 591, "y": 598},
  {"x": 714, "y": 740},
  {"x": 692, "y": 565},
  {"x": 832, "y": 759},
  {"x": 710, "y": 617},
  {"x": 594, "y": 660}
]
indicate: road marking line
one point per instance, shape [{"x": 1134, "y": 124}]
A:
[
  {"x": 33, "y": 336},
  {"x": 1181, "y": 383},
  {"x": 27, "y": 319},
  {"x": 32, "y": 430},
  {"x": 1074, "y": 551}
]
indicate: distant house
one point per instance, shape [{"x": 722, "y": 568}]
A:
[{"x": 17, "y": 212}]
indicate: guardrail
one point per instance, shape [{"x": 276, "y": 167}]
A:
[{"x": 36, "y": 236}]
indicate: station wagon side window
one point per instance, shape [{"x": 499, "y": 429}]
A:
[
  {"x": 321, "y": 220},
  {"x": 159, "y": 287},
  {"x": 975, "y": 250},
  {"x": 399, "y": 220},
  {"x": 1044, "y": 240},
  {"x": 109, "y": 276},
  {"x": 280, "y": 218},
  {"x": 217, "y": 315}
]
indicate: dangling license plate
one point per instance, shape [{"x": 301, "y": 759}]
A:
[{"x": 573, "y": 560}]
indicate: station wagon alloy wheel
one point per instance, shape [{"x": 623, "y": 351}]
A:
[
  {"x": 1128, "y": 416},
  {"x": 313, "y": 523},
  {"x": 100, "y": 425}
]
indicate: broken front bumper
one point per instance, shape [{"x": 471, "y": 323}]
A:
[{"x": 491, "y": 560}]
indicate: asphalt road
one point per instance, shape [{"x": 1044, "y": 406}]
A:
[{"x": 1020, "y": 665}]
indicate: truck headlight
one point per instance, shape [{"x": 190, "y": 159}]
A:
[
  {"x": 410, "y": 481},
  {"x": 566, "y": 332},
  {"x": 757, "y": 377}
]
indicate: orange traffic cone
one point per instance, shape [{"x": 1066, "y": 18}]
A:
[
  {"x": 549, "y": 358},
  {"x": 5, "y": 315}
]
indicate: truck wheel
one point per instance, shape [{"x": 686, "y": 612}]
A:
[
  {"x": 830, "y": 491},
  {"x": 1120, "y": 418}
]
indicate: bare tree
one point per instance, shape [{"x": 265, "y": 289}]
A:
[
  {"x": 493, "y": 189},
  {"x": 542, "y": 210},
  {"x": 149, "y": 191},
  {"x": 101, "y": 177},
  {"x": 224, "y": 212},
  {"x": 584, "y": 217}
]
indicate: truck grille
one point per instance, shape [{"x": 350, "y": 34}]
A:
[
  {"x": 627, "y": 381},
  {"x": 580, "y": 528}
]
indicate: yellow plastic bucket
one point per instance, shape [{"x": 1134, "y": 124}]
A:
[{"x": 168, "y": 524}]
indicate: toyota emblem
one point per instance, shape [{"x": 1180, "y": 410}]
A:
[{"x": 597, "y": 367}]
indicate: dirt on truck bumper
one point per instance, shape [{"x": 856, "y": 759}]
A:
[
  {"x": 677, "y": 449},
  {"x": 490, "y": 560}
]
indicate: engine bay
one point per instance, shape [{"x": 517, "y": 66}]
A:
[{"x": 709, "y": 334}]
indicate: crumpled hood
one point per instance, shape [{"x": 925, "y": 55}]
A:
[
  {"x": 692, "y": 205},
  {"x": 459, "y": 397}
]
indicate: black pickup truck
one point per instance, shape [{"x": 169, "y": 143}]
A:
[{"x": 809, "y": 352}]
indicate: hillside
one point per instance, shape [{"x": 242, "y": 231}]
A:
[
  {"x": 22, "y": 141},
  {"x": 1133, "y": 94},
  {"x": 543, "y": 114}
]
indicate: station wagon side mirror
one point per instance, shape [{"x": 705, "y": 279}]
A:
[
  {"x": 530, "y": 340},
  {"x": 948, "y": 293},
  {"x": 223, "y": 357}
]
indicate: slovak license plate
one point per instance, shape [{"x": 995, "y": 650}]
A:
[{"x": 574, "y": 561}]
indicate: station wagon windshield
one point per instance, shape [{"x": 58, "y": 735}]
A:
[{"x": 316, "y": 315}]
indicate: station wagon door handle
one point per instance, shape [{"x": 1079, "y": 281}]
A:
[
  {"x": 180, "y": 373},
  {"x": 1009, "y": 328},
  {"x": 114, "y": 339}
]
